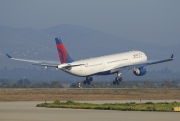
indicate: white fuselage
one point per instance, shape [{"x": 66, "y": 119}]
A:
[{"x": 110, "y": 63}]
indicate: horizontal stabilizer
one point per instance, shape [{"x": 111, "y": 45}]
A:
[
  {"x": 172, "y": 56},
  {"x": 65, "y": 66},
  {"x": 8, "y": 56}
]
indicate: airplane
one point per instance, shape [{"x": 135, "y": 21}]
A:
[{"x": 104, "y": 65}]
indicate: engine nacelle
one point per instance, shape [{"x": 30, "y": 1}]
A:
[{"x": 139, "y": 71}]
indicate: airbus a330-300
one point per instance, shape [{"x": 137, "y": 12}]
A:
[{"x": 104, "y": 65}]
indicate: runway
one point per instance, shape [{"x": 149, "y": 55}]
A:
[{"x": 27, "y": 111}]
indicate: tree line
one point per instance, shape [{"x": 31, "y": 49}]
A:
[{"x": 26, "y": 83}]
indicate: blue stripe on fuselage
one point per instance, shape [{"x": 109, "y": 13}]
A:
[{"x": 105, "y": 73}]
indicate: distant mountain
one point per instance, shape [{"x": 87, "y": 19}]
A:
[
  {"x": 25, "y": 43},
  {"x": 85, "y": 39},
  {"x": 81, "y": 42},
  {"x": 24, "y": 40}
]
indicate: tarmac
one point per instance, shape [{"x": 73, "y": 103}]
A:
[{"x": 27, "y": 111}]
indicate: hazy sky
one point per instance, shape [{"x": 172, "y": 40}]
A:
[{"x": 156, "y": 21}]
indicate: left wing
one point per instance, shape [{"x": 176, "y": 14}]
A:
[
  {"x": 63, "y": 66},
  {"x": 35, "y": 62}
]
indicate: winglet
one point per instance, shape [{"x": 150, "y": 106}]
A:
[
  {"x": 8, "y": 56},
  {"x": 172, "y": 56}
]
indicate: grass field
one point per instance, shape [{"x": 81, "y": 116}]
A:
[
  {"x": 88, "y": 94},
  {"x": 148, "y": 106}
]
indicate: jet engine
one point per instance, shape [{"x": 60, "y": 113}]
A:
[{"x": 139, "y": 71}]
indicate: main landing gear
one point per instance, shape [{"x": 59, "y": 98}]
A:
[
  {"x": 88, "y": 80},
  {"x": 118, "y": 79}
]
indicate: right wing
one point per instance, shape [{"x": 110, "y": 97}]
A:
[{"x": 130, "y": 67}]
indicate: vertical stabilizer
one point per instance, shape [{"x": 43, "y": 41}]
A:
[{"x": 62, "y": 52}]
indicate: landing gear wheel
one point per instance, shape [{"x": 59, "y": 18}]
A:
[
  {"x": 117, "y": 80},
  {"x": 88, "y": 80},
  {"x": 120, "y": 79},
  {"x": 84, "y": 82},
  {"x": 114, "y": 82}
]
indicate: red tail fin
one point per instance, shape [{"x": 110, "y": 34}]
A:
[{"x": 62, "y": 52}]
